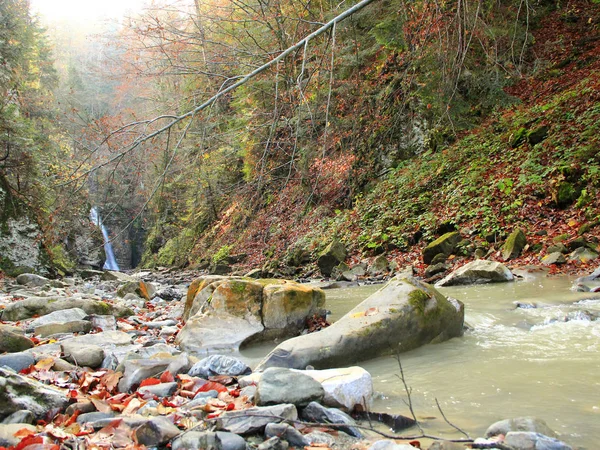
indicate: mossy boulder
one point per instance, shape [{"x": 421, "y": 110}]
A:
[
  {"x": 238, "y": 297},
  {"x": 565, "y": 193},
  {"x": 198, "y": 294},
  {"x": 479, "y": 271},
  {"x": 40, "y": 306},
  {"x": 139, "y": 288},
  {"x": 514, "y": 245},
  {"x": 401, "y": 316},
  {"x": 444, "y": 245},
  {"x": 334, "y": 254},
  {"x": 286, "y": 307}
]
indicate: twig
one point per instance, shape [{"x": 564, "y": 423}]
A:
[
  {"x": 408, "y": 392},
  {"x": 448, "y": 422}
]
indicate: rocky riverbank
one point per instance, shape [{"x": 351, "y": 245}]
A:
[{"x": 96, "y": 361}]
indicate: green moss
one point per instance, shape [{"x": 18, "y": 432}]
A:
[
  {"x": 418, "y": 300},
  {"x": 238, "y": 287}
]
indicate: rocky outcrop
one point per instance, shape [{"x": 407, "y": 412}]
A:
[
  {"x": 403, "y": 315},
  {"x": 443, "y": 245},
  {"x": 39, "y": 306},
  {"x": 480, "y": 271},
  {"x": 226, "y": 312}
]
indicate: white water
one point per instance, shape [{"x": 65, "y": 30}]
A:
[
  {"x": 515, "y": 362},
  {"x": 111, "y": 261}
]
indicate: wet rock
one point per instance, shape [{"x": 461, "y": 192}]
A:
[
  {"x": 137, "y": 370},
  {"x": 17, "y": 361},
  {"x": 32, "y": 280},
  {"x": 434, "y": 269},
  {"x": 334, "y": 254},
  {"x": 526, "y": 440},
  {"x": 554, "y": 258},
  {"x": 514, "y": 245},
  {"x": 159, "y": 390},
  {"x": 278, "y": 385},
  {"x": 156, "y": 432},
  {"x": 254, "y": 420},
  {"x": 479, "y": 271},
  {"x": 444, "y": 245},
  {"x": 62, "y": 316},
  {"x": 219, "y": 365},
  {"x": 405, "y": 313},
  {"x": 18, "y": 392},
  {"x": 583, "y": 254},
  {"x": 78, "y": 326},
  {"x": 287, "y": 433},
  {"x": 202, "y": 440},
  {"x": 8, "y": 430},
  {"x": 11, "y": 342},
  {"x": 83, "y": 355},
  {"x": 41, "y": 306},
  {"x": 315, "y": 412},
  {"x": 530, "y": 424}
]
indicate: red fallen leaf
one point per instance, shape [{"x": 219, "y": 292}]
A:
[
  {"x": 230, "y": 407},
  {"x": 29, "y": 440},
  {"x": 213, "y": 415},
  {"x": 149, "y": 382},
  {"x": 72, "y": 419},
  {"x": 416, "y": 444},
  {"x": 72, "y": 393},
  {"x": 212, "y": 386},
  {"x": 167, "y": 377},
  {"x": 24, "y": 432},
  {"x": 27, "y": 370},
  {"x": 235, "y": 392}
]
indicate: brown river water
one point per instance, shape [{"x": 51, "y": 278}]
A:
[{"x": 513, "y": 362}]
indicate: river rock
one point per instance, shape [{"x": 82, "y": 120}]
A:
[
  {"x": 479, "y": 271},
  {"x": 137, "y": 370},
  {"x": 286, "y": 306},
  {"x": 17, "y": 361},
  {"x": 529, "y": 424},
  {"x": 287, "y": 433},
  {"x": 514, "y": 245},
  {"x": 41, "y": 306},
  {"x": 554, "y": 258},
  {"x": 527, "y": 440},
  {"x": 93, "y": 417},
  {"x": 7, "y": 433},
  {"x": 254, "y": 420},
  {"x": 219, "y": 365},
  {"x": 32, "y": 280},
  {"x": 447, "y": 445},
  {"x": 139, "y": 288},
  {"x": 83, "y": 355},
  {"x": 111, "y": 275},
  {"x": 62, "y": 316},
  {"x": 18, "y": 392},
  {"x": 12, "y": 342},
  {"x": 583, "y": 254},
  {"x": 202, "y": 440},
  {"x": 315, "y": 412},
  {"x": 346, "y": 387},
  {"x": 273, "y": 443},
  {"x": 169, "y": 294},
  {"x": 379, "y": 265},
  {"x": 159, "y": 390},
  {"x": 404, "y": 315},
  {"x": 216, "y": 333},
  {"x": 334, "y": 254},
  {"x": 444, "y": 245},
  {"x": 156, "y": 432},
  {"x": 278, "y": 385},
  {"x": 76, "y": 326}
]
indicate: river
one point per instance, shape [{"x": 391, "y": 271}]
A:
[{"x": 513, "y": 362}]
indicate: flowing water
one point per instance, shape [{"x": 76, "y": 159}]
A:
[
  {"x": 111, "y": 261},
  {"x": 514, "y": 362}
]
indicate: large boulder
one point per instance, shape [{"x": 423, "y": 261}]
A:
[
  {"x": 443, "y": 245},
  {"x": 32, "y": 280},
  {"x": 226, "y": 312},
  {"x": 514, "y": 245},
  {"x": 61, "y": 316},
  {"x": 40, "y": 306},
  {"x": 480, "y": 271},
  {"x": 401, "y": 316},
  {"x": 334, "y": 254},
  {"x": 18, "y": 392}
]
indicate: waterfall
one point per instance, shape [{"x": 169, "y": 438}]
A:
[{"x": 111, "y": 261}]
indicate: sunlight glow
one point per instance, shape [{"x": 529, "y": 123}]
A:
[{"x": 85, "y": 10}]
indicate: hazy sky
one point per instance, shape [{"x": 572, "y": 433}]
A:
[{"x": 82, "y": 11}]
